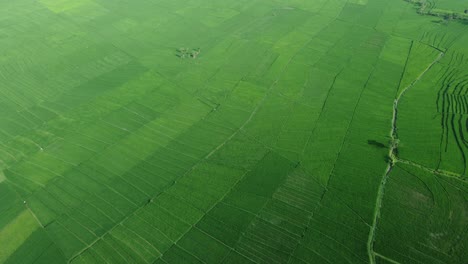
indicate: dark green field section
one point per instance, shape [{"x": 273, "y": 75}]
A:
[{"x": 248, "y": 131}]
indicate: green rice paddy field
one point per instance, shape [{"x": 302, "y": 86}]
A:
[{"x": 232, "y": 131}]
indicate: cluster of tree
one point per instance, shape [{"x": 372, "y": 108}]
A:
[
  {"x": 449, "y": 15},
  {"x": 426, "y": 7},
  {"x": 188, "y": 53},
  {"x": 423, "y": 5}
]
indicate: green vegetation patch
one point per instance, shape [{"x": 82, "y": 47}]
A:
[
  {"x": 288, "y": 131},
  {"x": 15, "y": 233}
]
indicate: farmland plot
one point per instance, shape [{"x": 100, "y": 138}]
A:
[{"x": 172, "y": 131}]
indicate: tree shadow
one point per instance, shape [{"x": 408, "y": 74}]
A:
[{"x": 376, "y": 143}]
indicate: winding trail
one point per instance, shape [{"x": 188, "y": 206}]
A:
[
  {"x": 443, "y": 173},
  {"x": 393, "y": 159}
]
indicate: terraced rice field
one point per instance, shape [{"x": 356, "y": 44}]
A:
[{"x": 247, "y": 131}]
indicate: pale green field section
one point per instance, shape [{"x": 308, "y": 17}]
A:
[
  {"x": 2, "y": 176},
  {"x": 16, "y": 232},
  {"x": 248, "y": 131}
]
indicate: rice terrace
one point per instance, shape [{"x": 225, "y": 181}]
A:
[{"x": 233, "y": 131}]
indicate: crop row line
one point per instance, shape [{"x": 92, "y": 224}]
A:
[{"x": 190, "y": 169}]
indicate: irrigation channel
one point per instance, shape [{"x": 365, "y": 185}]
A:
[{"x": 392, "y": 160}]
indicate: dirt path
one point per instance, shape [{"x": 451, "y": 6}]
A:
[{"x": 393, "y": 159}]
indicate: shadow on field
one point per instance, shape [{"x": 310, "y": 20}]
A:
[
  {"x": 376, "y": 144},
  {"x": 379, "y": 145}
]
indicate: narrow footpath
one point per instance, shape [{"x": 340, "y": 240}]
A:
[{"x": 392, "y": 160}]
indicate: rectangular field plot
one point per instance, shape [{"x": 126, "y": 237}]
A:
[{"x": 430, "y": 221}]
